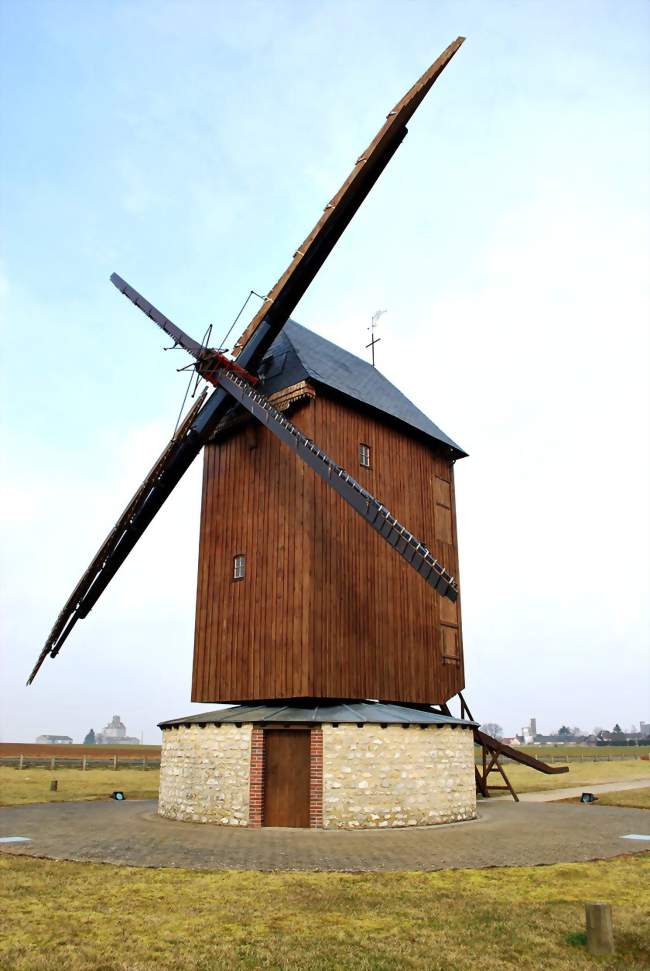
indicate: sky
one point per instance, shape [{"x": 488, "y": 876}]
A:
[{"x": 190, "y": 147}]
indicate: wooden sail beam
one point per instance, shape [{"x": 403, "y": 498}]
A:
[
  {"x": 416, "y": 554},
  {"x": 72, "y": 610},
  {"x": 338, "y": 212}
]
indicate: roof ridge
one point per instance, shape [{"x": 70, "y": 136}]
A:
[
  {"x": 340, "y": 370},
  {"x": 295, "y": 349}
]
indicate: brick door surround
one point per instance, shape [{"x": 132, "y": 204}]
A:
[{"x": 256, "y": 797}]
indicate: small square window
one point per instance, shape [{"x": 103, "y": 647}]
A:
[
  {"x": 364, "y": 455},
  {"x": 239, "y": 567}
]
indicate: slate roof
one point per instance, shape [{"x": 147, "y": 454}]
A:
[
  {"x": 337, "y": 712},
  {"x": 298, "y": 354}
]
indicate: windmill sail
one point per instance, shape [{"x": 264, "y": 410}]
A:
[
  {"x": 76, "y": 606},
  {"x": 177, "y": 335},
  {"x": 363, "y": 502},
  {"x": 310, "y": 256},
  {"x": 250, "y": 349}
]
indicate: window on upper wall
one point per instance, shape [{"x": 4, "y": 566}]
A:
[
  {"x": 364, "y": 455},
  {"x": 239, "y": 567}
]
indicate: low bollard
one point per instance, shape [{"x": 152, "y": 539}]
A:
[
  {"x": 54, "y": 785},
  {"x": 600, "y": 934}
]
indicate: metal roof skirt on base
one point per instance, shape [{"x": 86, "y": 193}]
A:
[{"x": 353, "y": 712}]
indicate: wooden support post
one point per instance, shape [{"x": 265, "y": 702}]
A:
[
  {"x": 115, "y": 762},
  {"x": 505, "y": 778},
  {"x": 600, "y": 934},
  {"x": 20, "y": 762},
  {"x": 54, "y": 785},
  {"x": 144, "y": 764},
  {"x": 480, "y": 784},
  {"x": 53, "y": 762}
]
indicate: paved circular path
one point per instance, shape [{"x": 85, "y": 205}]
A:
[{"x": 131, "y": 833}]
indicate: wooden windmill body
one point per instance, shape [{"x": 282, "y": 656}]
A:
[
  {"x": 322, "y": 607},
  {"x": 318, "y": 611}
]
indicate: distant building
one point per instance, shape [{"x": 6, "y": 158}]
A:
[
  {"x": 529, "y": 732},
  {"x": 622, "y": 738},
  {"x": 555, "y": 740},
  {"x": 115, "y": 734},
  {"x": 511, "y": 741},
  {"x": 54, "y": 739}
]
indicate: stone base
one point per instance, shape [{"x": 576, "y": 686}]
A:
[{"x": 368, "y": 775}]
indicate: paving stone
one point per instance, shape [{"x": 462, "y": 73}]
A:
[{"x": 505, "y": 834}]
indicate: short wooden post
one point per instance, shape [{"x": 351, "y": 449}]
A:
[
  {"x": 20, "y": 762},
  {"x": 115, "y": 761},
  {"x": 54, "y": 785},
  {"x": 83, "y": 764},
  {"x": 52, "y": 762},
  {"x": 144, "y": 764},
  {"x": 600, "y": 935}
]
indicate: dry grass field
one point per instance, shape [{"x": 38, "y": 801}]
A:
[
  {"x": 19, "y": 787},
  {"x": 94, "y": 916},
  {"x": 628, "y": 799},
  {"x": 580, "y": 774},
  {"x": 589, "y": 751},
  {"x": 105, "y": 918}
]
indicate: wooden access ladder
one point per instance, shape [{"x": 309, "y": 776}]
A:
[{"x": 492, "y": 750}]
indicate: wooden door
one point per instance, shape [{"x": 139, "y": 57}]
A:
[{"x": 286, "y": 778}]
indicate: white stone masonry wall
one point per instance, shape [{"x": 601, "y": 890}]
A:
[
  {"x": 205, "y": 774},
  {"x": 396, "y": 776}
]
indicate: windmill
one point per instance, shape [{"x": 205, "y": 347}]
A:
[{"x": 287, "y": 667}]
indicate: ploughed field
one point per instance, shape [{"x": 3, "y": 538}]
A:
[{"x": 36, "y": 750}]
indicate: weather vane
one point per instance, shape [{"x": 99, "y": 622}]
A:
[{"x": 374, "y": 340}]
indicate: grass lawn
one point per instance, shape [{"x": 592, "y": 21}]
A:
[
  {"x": 18, "y": 787},
  {"x": 539, "y": 751},
  {"x": 580, "y": 773},
  {"x": 21, "y": 786},
  {"x": 95, "y": 916},
  {"x": 628, "y": 798}
]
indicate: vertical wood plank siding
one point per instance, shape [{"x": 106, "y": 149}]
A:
[{"x": 327, "y": 609}]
